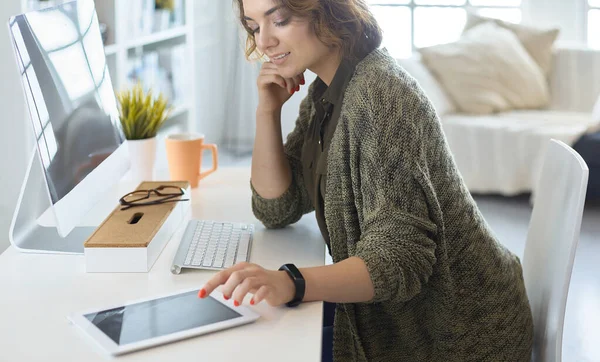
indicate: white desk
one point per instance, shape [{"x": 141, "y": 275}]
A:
[{"x": 38, "y": 291}]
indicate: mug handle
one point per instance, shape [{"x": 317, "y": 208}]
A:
[{"x": 215, "y": 159}]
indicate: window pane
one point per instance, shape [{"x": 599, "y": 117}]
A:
[
  {"x": 395, "y": 23},
  {"x": 387, "y": 2},
  {"x": 440, "y": 2},
  {"x": 510, "y": 15},
  {"x": 594, "y": 3},
  {"x": 438, "y": 25},
  {"x": 496, "y": 2},
  {"x": 594, "y": 29}
]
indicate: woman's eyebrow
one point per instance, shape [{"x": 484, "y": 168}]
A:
[{"x": 267, "y": 13}]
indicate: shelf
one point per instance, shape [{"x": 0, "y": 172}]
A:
[
  {"x": 158, "y": 37},
  {"x": 111, "y": 49}
]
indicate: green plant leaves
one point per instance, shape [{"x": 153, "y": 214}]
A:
[{"x": 142, "y": 114}]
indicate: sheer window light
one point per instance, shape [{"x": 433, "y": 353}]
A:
[
  {"x": 434, "y": 25},
  {"x": 395, "y": 22},
  {"x": 594, "y": 28},
  {"x": 412, "y": 24}
]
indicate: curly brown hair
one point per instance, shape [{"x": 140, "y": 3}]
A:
[{"x": 335, "y": 22}]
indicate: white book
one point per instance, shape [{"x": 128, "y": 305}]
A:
[
  {"x": 148, "y": 16},
  {"x": 180, "y": 73}
]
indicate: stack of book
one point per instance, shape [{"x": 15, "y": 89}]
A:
[
  {"x": 147, "y": 19},
  {"x": 163, "y": 70}
]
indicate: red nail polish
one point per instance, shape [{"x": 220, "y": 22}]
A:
[
  {"x": 302, "y": 81},
  {"x": 236, "y": 303},
  {"x": 297, "y": 88},
  {"x": 202, "y": 293},
  {"x": 225, "y": 297},
  {"x": 252, "y": 301}
]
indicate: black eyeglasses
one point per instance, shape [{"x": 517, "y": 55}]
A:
[{"x": 165, "y": 193}]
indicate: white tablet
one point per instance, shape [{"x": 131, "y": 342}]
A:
[{"x": 150, "y": 322}]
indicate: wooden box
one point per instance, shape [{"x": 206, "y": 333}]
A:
[{"x": 131, "y": 240}]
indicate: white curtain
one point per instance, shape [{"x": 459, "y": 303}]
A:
[{"x": 226, "y": 96}]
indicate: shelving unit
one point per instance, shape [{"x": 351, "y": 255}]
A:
[{"x": 161, "y": 57}]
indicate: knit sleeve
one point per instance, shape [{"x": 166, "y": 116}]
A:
[
  {"x": 294, "y": 202},
  {"x": 397, "y": 241}
]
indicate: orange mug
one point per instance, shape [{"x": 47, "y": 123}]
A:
[{"x": 184, "y": 154}]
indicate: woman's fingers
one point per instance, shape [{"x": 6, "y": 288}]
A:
[
  {"x": 239, "y": 276},
  {"x": 244, "y": 288},
  {"x": 260, "y": 295},
  {"x": 291, "y": 84},
  {"x": 267, "y": 79},
  {"x": 219, "y": 279}
]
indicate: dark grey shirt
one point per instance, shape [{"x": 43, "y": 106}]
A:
[{"x": 328, "y": 103}]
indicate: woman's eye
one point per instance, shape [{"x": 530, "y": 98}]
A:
[{"x": 282, "y": 23}]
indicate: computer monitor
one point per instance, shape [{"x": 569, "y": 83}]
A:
[{"x": 79, "y": 145}]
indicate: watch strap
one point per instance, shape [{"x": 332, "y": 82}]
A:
[{"x": 299, "y": 283}]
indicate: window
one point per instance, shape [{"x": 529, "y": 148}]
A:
[
  {"x": 593, "y": 21},
  {"x": 411, "y": 24}
]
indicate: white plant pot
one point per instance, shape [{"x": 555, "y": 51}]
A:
[{"x": 142, "y": 155}]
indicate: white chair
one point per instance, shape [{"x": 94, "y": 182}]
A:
[{"x": 551, "y": 243}]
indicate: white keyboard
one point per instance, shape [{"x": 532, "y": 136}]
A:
[{"x": 213, "y": 245}]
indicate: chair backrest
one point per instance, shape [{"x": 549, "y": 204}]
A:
[{"x": 551, "y": 243}]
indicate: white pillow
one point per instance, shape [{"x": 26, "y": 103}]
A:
[
  {"x": 432, "y": 88},
  {"x": 538, "y": 42},
  {"x": 488, "y": 71}
]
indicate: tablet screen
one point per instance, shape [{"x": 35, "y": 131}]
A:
[{"x": 159, "y": 317}]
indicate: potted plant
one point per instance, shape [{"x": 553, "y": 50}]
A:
[{"x": 142, "y": 115}]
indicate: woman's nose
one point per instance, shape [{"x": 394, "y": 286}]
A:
[{"x": 265, "y": 40}]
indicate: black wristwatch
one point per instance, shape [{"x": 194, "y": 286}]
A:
[{"x": 299, "y": 283}]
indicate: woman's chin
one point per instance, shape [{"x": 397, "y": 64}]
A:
[{"x": 287, "y": 72}]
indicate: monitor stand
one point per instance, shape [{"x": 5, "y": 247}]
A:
[{"x": 26, "y": 234}]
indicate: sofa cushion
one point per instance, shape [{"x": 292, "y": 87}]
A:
[
  {"x": 538, "y": 42},
  {"x": 432, "y": 88},
  {"x": 487, "y": 70}
]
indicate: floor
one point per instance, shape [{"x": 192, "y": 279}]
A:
[{"x": 509, "y": 218}]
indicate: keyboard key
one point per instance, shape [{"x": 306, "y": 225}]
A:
[{"x": 216, "y": 245}]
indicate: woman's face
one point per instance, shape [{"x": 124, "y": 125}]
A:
[{"x": 288, "y": 41}]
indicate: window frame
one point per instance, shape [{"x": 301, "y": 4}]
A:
[
  {"x": 412, "y": 5},
  {"x": 586, "y": 21}
]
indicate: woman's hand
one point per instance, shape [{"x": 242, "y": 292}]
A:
[
  {"x": 276, "y": 287},
  {"x": 273, "y": 89}
]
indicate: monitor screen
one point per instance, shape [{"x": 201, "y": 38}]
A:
[{"x": 69, "y": 93}]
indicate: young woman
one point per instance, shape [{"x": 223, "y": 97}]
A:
[{"x": 417, "y": 273}]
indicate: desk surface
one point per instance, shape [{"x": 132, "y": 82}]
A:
[{"x": 38, "y": 291}]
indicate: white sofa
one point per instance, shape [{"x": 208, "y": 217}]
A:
[{"x": 502, "y": 153}]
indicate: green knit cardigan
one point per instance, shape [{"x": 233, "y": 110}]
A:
[{"x": 445, "y": 288}]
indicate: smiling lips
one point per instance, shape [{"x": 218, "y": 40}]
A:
[{"x": 279, "y": 59}]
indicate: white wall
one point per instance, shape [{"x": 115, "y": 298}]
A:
[{"x": 13, "y": 125}]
